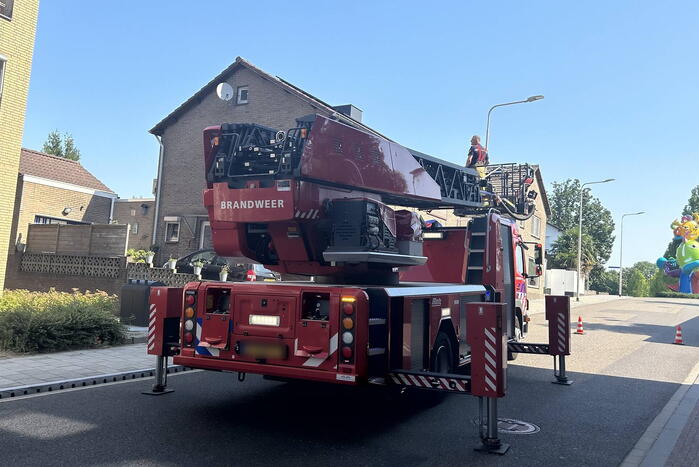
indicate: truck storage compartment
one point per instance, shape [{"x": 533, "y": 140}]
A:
[
  {"x": 215, "y": 324},
  {"x": 313, "y": 330}
]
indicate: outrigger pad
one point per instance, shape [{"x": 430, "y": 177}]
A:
[
  {"x": 493, "y": 447},
  {"x": 563, "y": 382},
  {"x": 153, "y": 392}
]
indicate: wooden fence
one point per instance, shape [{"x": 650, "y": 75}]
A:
[{"x": 78, "y": 240}]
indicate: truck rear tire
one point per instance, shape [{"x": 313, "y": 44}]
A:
[
  {"x": 517, "y": 337},
  {"x": 442, "y": 355}
]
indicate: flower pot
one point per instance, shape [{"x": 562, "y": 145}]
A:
[
  {"x": 149, "y": 260},
  {"x": 197, "y": 270},
  {"x": 172, "y": 263},
  {"x": 223, "y": 276}
]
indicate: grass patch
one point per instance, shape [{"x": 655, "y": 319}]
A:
[{"x": 53, "y": 321}]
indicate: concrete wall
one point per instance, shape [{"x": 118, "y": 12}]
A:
[
  {"x": 16, "y": 48},
  {"x": 183, "y": 162},
  {"x": 140, "y": 219}
]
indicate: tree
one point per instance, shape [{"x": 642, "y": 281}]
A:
[
  {"x": 635, "y": 284},
  {"x": 647, "y": 269},
  {"x": 564, "y": 252},
  {"x": 564, "y": 198},
  {"x": 61, "y": 147},
  {"x": 604, "y": 280},
  {"x": 661, "y": 283}
]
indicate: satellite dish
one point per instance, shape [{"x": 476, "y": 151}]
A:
[{"x": 224, "y": 91}]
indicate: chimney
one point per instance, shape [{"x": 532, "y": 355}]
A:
[{"x": 349, "y": 110}]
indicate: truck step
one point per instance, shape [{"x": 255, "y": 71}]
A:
[{"x": 445, "y": 382}]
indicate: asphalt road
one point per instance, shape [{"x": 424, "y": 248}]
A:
[{"x": 625, "y": 370}]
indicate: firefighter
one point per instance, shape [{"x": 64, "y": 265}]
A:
[{"x": 477, "y": 156}]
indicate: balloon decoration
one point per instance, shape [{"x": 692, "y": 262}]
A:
[{"x": 685, "y": 264}]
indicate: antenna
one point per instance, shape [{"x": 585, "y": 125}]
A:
[{"x": 224, "y": 91}]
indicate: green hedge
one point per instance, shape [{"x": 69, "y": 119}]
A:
[
  {"x": 51, "y": 321},
  {"x": 671, "y": 294}
]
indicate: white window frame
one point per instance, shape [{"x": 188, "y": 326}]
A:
[
  {"x": 536, "y": 222},
  {"x": 3, "y": 67},
  {"x": 134, "y": 228},
  {"x": 167, "y": 237},
  {"x": 238, "y": 95},
  {"x": 133, "y": 212},
  {"x": 204, "y": 225}
]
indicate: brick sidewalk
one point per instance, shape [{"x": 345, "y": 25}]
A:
[{"x": 60, "y": 366}]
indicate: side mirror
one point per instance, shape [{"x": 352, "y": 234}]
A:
[{"x": 538, "y": 254}]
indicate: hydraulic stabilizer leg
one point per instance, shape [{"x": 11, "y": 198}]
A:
[
  {"x": 160, "y": 385},
  {"x": 561, "y": 377},
  {"x": 489, "y": 439}
]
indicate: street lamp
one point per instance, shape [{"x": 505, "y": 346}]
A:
[
  {"x": 621, "y": 246},
  {"x": 582, "y": 190},
  {"x": 487, "y": 125}
]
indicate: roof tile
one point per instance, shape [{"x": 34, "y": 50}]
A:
[{"x": 59, "y": 169}]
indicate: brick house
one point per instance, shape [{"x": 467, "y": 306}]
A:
[
  {"x": 139, "y": 214},
  {"x": 181, "y": 224},
  {"x": 181, "y": 221},
  {"x": 17, "y": 31},
  {"x": 55, "y": 190}
]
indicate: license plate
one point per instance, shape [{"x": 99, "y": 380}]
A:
[{"x": 262, "y": 351}]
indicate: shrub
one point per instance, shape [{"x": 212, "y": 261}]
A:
[
  {"x": 51, "y": 321},
  {"x": 670, "y": 294},
  {"x": 138, "y": 256}
]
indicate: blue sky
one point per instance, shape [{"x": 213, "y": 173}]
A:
[{"x": 620, "y": 80}]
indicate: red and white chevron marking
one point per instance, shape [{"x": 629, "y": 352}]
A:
[
  {"x": 491, "y": 368},
  {"x": 561, "y": 325},
  {"x": 310, "y": 214},
  {"x": 151, "y": 326},
  {"x": 448, "y": 384}
]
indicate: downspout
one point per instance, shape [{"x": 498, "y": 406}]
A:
[
  {"x": 157, "y": 189},
  {"x": 111, "y": 210}
]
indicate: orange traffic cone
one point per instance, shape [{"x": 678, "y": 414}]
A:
[
  {"x": 580, "y": 326},
  {"x": 678, "y": 336}
]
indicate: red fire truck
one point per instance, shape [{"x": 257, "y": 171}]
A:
[{"x": 391, "y": 303}]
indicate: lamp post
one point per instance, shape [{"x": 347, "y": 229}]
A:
[
  {"x": 582, "y": 190},
  {"x": 487, "y": 125},
  {"x": 621, "y": 246}
]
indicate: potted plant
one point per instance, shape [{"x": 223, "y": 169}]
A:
[
  {"x": 198, "y": 264},
  {"x": 223, "y": 274},
  {"x": 171, "y": 263},
  {"x": 149, "y": 257}
]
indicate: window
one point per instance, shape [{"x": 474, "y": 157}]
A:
[
  {"x": 533, "y": 280},
  {"x": 172, "y": 232},
  {"x": 6, "y": 7},
  {"x": 134, "y": 228},
  {"x": 536, "y": 227},
  {"x": 133, "y": 213},
  {"x": 242, "y": 95},
  {"x": 520, "y": 258},
  {"x": 3, "y": 62},
  {"x": 55, "y": 220}
]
